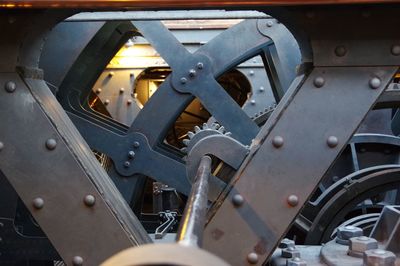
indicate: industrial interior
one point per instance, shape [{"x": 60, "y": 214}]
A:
[{"x": 199, "y": 133}]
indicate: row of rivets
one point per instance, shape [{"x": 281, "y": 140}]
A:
[
  {"x": 192, "y": 73},
  {"x": 341, "y": 50}
]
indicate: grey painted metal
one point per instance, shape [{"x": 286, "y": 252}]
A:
[
  {"x": 165, "y": 15},
  {"x": 193, "y": 220},
  {"x": 387, "y": 229},
  {"x": 255, "y": 220}
]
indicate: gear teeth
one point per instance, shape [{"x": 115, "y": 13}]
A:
[
  {"x": 186, "y": 141},
  {"x": 221, "y": 129},
  {"x": 205, "y": 126},
  {"x": 215, "y": 126},
  {"x": 190, "y": 134},
  {"x": 197, "y": 129},
  {"x": 228, "y": 134}
]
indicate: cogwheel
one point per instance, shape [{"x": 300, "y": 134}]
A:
[
  {"x": 261, "y": 117},
  {"x": 202, "y": 132}
]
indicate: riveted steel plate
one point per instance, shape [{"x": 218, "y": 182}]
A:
[
  {"x": 281, "y": 172},
  {"x": 54, "y": 177}
]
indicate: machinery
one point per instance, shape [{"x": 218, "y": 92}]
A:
[{"x": 199, "y": 133}]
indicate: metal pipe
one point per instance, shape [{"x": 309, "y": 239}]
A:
[{"x": 192, "y": 224}]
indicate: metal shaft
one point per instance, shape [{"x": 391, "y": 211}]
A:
[{"x": 192, "y": 226}]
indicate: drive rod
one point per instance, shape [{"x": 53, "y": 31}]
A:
[{"x": 192, "y": 226}]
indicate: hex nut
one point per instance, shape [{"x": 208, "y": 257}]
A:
[
  {"x": 296, "y": 261},
  {"x": 290, "y": 252},
  {"x": 286, "y": 242},
  {"x": 379, "y": 257},
  {"x": 344, "y": 233},
  {"x": 360, "y": 244}
]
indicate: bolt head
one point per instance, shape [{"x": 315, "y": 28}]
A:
[
  {"x": 379, "y": 257},
  {"x": 344, "y": 233},
  {"x": 362, "y": 243},
  {"x": 270, "y": 23},
  {"x": 285, "y": 243},
  {"x": 332, "y": 141},
  {"x": 293, "y": 200},
  {"x": 237, "y": 200},
  {"x": 340, "y": 51},
  {"x": 38, "y": 203},
  {"x": 261, "y": 89},
  {"x": 251, "y": 73},
  {"x": 253, "y": 102},
  {"x": 10, "y": 86},
  {"x": 89, "y": 200},
  {"x": 319, "y": 82},
  {"x": 192, "y": 73},
  {"x": 121, "y": 90},
  {"x": 77, "y": 261},
  {"x": 51, "y": 144},
  {"x": 290, "y": 252},
  {"x": 129, "y": 101},
  {"x": 183, "y": 80},
  {"x": 200, "y": 65},
  {"x": 127, "y": 164},
  {"x": 395, "y": 50},
  {"x": 252, "y": 258},
  {"x": 277, "y": 141},
  {"x": 98, "y": 91},
  {"x": 136, "y": 144},
  {"x": 107, "y": 102},
  {"x": 111, "y": 74},
  {"x": 131, "y": 154},
  {"x": 374, "y": 83}
]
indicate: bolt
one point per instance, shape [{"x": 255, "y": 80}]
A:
[
  {"x": 251, "y": 73},
  {"x": 192, "y": 73},
  {"x": 296, "y": 262},
  {"x": 286, "y": 242},
  {"x": 270, "y": 23},
  {"x": 379, "y": 257},
  {"x": 319, "y": 82},
  {"x": 253, "y": 102},
  {"x": 293, "y": 200},
  {"x": 374, "y": 83},
  {"x": 358, "y": 245},
  {"x": 340, "y": 51},
  {"x": 131, "y": 154},
  {"x": 252, "y": 258},
  {"x": 290, "y": 252},
  {"x": 127, "y": 164},
  {"x": 344, "y": 233},
  {"x": 1, "y": 145},
  {"x": 111, "y": 74},
  {"x": 121, "y": 90},
  {"x": 107, "y": 102},
  {"x": 332, "y": 141},
  {"x": 200, "y": 65},
  {"x": 89, "y": 200},
  {"x": 38, "y": 203},
  {"x": 237, "y": 200},
  {"x": 77, "y": 261},
  {"x": 183, "y": 80},
  {"x": 51, "y": 144},
  {"x": 395, "y": 50},
  {"x": 98, "y": 91},
  {"x": 136, "y": 144},
  {"x": 129, "y": 101},
  {"x": 261, "y": 89},
  {"x": 277, "y": 141},
  {"x": 10, "y": 86}
]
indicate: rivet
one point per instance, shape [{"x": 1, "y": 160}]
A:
[
  {"x": 277, "y": 141},
  {"x": 89, "y": 200},
  {"x": 136, "y": 144},
  {"x": 131, "y": 74},
  {"x": 270, "y": 23},
  {"x": 51, "y": 144},
  {"x": 129, "y": 101},
  {"x": 127, "y": 164},
  {"x": 238, "y": 200},
  {"x": 252, "y": 258},
  {"x": 192, "y": 73},
  {"x": 261, "y": 89},
  {"x": 375, "y": 83},
  {"x": 1, "y": 145},
  {"x": 107, "y": 102},
  {"x": 111, "y": 74},
  {"x": 293, "y": 200},
  {"x": 10, "y": 86},
  {"x": 131, "y": 154},
  {"x": 98, "y": 91},
  {"x": 319, "y": 82},
  {"x": 253, "y": 102},
  {"x": 121, "y": 90},
  {"x": 251, "y": 73},
  {"x": 38, "y": 203},
  {"x": 395, "y": 49},
  {"x": 340, "y": 51},
  {"x": 77, "y": 261},
  {"x": 332, "y": 141},
  {"x": 200, "y": 65},
  {"x": 183, "y": 80}
]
